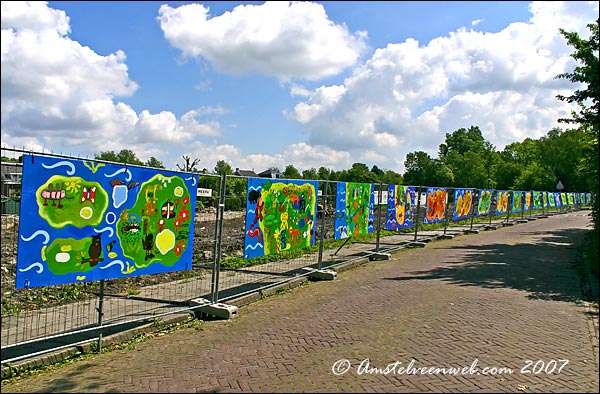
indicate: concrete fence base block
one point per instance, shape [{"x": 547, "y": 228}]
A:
[
  {"x": 380, "y": 256},
  {"x": 522, "y": 221},
  {"x": 445, "y": 236},
  {"x": 490, "y": 227},
  {"x": 508, "y": 224},
  {"x": 473, "y": 231},
  {"x": 325, "y": 274},
  {"x": 417, "y": 245},
  {"x": 219, "y": 309}
]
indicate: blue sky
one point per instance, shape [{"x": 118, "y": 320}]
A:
[{"x": 270, "y": 84}]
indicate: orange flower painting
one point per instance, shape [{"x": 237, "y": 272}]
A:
[
  {"x": 463, "y": 199},
  {"x": 502, "y": 201},
  {"x": 436, "y": 205}
]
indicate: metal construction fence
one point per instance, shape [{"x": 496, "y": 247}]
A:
[{"x": 41, "y": 320}]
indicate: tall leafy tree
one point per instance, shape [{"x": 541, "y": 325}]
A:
[
  {"x": 310, "y": 174},
  {"x": 291, "y": 172},
  {"x": 586, "y": 97},
  {"x": 463, "y": 152},
  {"x": 423, "y": 170},
  {"x": 154, "y": 162},
  {"x": 223, "y": 168},
  {"x": 125, "y": 156}
]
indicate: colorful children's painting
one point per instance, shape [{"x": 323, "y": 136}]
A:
[
  {"x": 280, "y": 216},
  {"x": 354, "y": 209},
  {"x": 400, "y": 207},
  {"x": 502, "y": 197},
  {"x": 528, "y": 201},
  {"x": 435, "y": 211},
  {"x": 485, "y": 202},
  {"x": 463, "y": 199},
  {"x": 557, "y": 200},
  {"x": 551, "y": 200},
  {"x": 537, "y": 200},
  {"x": 85, "y": 220},
  {"x": 517, "y": 201}
]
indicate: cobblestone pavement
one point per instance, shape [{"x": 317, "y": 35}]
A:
[{"x": 507, "y": 302}]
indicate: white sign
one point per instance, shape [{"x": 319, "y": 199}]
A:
[
  {"x": 204, "y": 192},
  {"x": 559, "y": 186}
]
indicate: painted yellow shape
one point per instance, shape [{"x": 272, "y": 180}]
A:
[
  {"x": 112, "y": 255},
  {"x": 80, "y": 277},
  {"x": 165, "y": 241},
  {"x": 86, "y": 212}
]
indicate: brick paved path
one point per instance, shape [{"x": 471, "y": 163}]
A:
[{"x": 493, "y": 299}]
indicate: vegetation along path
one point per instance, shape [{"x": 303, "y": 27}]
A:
[{"x": 504, "y": 308}]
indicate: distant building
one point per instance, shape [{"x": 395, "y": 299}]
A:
[
  {"x": 270, "y": 174},
  {"x": 246, "y": 173}
]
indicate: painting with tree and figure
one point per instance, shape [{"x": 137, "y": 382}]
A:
[
  {"x": 85, "y": 220},
  {"x": 400, "y": 207},
  {"x": 354, "y": 205},
  {"x": 435, "y": 211},
  {"x": 502, "y": 198},
  {"x": 463, "y": 199},
  {"x": 551, "y": 200},
  {"x": 280, "y": 216},
  {"x": 484, "y": 202},
  {"x": 517, "y": 200},
  {"x": 538, "y": 199}
]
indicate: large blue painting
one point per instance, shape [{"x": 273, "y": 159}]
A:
[{"x": 85, "y": 220}]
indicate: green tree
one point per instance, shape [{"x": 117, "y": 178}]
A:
[
  {"x": 154, "y": 162},
  {"x": 325, "y": 173},
  {"x": 310, "y": 174},
  {"x": 391, "y": 178},
  {"x": 223, "y": 168},
  {"x": 586, "y": 98},
  {"x": 464, "y": 152},
  {"x": 423, "y": 170},
  {"x": 125, "y": 156},
  {"x": 291, "y": 172},
  {"x": 359, "y": 173}
]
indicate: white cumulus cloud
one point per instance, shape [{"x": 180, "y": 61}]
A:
[
  {"x": 279, "y": 38},
  {"x": 408, "y": 95}
]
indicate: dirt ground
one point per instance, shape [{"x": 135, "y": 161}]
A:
[{"x": 232, "y": 244}]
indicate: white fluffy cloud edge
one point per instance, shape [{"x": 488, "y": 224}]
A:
[{"x": 60, "y": 95}]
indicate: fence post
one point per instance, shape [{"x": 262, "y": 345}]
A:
[
  {"x": 100, "y": 313},
  {"x": 322, "y": 232},
  {"x": 379, "y": 215},
  {"x": 509, "y": 208},
  {"x": 446, "y": 210},
  {"x": 492, "y": 195},
  {"x": 218, "y": 240},
  {"x": 417, "y": 215},
  {"x": 473, "y": 206}
]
